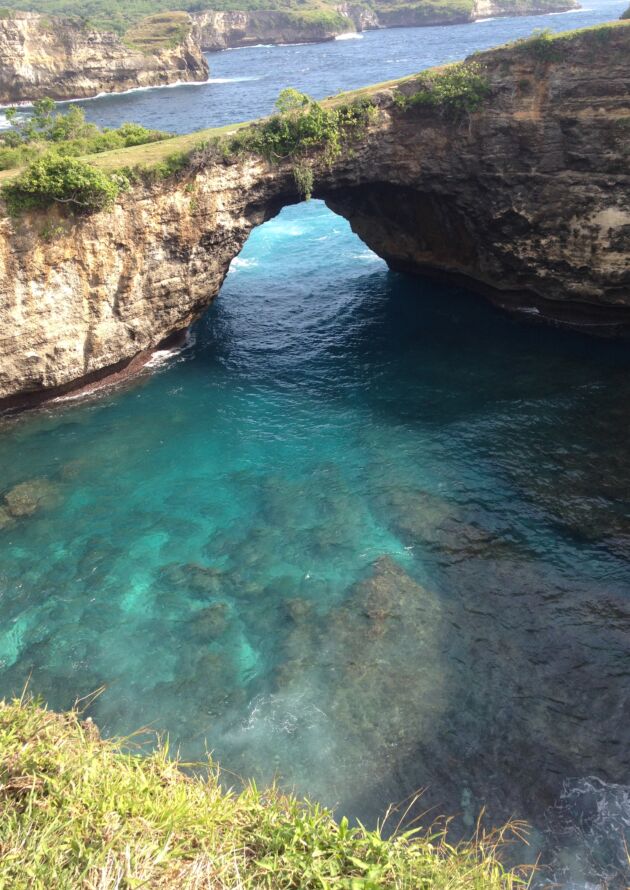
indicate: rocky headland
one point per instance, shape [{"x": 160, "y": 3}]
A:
[
  {"x": 222, "y": 30},
  {"x": 62, "y": 58},
  {"x": 525, "y": 198}
]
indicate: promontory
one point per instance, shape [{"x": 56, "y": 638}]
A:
[{"x": 63, "y": 58}]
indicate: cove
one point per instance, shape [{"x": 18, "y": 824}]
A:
[
  {"x": 346, "y": 462},
  {"x": 363, "y": 534}
]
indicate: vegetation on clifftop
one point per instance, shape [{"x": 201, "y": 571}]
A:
[
  {"x": 165, "y": 30},
  {"x": 66, "y": 134},
  {"x": 80, "y": 812},
  {"x": 458, "y": 88},
  {"x": 301, "y": 126},
  {"x": 68, "y": 181}
]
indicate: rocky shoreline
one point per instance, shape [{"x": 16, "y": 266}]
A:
[
  {"x": 63, "y": 59},
  {"x": 227, "y": 30}
]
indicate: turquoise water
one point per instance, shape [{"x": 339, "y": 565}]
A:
[{"x": 364, "y": 534}]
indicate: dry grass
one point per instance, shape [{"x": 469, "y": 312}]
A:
[{"x": 164, "y": 30}]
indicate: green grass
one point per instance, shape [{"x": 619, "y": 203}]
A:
[
  {"x": 79, "y": 812},
  {"x": 556, "y": 45}
]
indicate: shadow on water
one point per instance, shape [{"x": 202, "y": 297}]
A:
[{"x": 366, "y": 534}]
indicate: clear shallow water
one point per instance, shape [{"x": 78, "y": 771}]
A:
[{"x": 365, "y": 533}]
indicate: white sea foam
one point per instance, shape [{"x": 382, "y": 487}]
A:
[
  {"x": 163, "y": 86},
  {"x": 230, "y": 49},
  {"x": 591, "y": 826},
  {"x": 350, "y": 35},
  {"x": 164, "y": 356},
  {"x": 574, "y": 11},
  {"x": 242, "y": 263}
]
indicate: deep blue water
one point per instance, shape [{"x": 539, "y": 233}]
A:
[{"x": 364, "y": 533}]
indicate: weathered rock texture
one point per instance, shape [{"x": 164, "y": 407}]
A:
[
  {"x": 62, "y": 59},
  {"x": 220, "y": 30},
  {"x": 527, "y": 200}
]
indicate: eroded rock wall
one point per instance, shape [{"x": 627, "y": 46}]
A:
[
  {"x": 61, "y": 58},
  {"x": 220, "y": 30},
  {"x": 527, "y": 200}
]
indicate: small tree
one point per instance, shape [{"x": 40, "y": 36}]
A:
[{"x": 45, "y": 125}]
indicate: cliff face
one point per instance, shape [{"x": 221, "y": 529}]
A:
[
  {"x": 220, "y": 30},
  {"x": 527, "y": 200},
  {"x": 60, "y": 58}
]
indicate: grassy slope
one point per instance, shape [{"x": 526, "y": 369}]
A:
[
  {"x": 160, "y": 31},
  {"x": 79, "y": 812}
]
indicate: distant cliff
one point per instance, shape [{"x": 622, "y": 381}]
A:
[
  {"x": 62, "y": 58},
  {"x": 219, "y": 30}
]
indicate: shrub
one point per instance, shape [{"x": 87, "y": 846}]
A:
[
  {"x": 626, "y": 14},
  {"x": 544, "y": 46},
  {"x": 459, "y": 88},
  {"x": 57, "y": 180},
  {"x": 302, "y": 125},
  {"x": 303, "y": 177},
  {"x": 72, "y": 136}
]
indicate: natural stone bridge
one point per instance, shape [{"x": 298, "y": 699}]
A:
[{"x": 526, "y": 200}]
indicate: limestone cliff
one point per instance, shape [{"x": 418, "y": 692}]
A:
[
  {"x": 527, "y": 199},
  {"x": 220, "y": 30},
  {"x": 63, "y": 59}
]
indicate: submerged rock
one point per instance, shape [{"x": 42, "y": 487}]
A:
[
  {"x": 5, "y": 517},
  {"x": 299, "y": 609},
  {"x": 26, "y": 498},
  {"x": 210, "y": 623},
  {"x": 195, "y": 577}
]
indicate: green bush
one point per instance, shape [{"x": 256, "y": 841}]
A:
[
  {"x": 626, "y": 14},
  {"x": 58, "y": 180},
  {"x": 302, "y": 125},
  {"x": 459, "y": 88},
  {"x": 544, "y": 46},
  {"x": 71, "y": 135}
]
